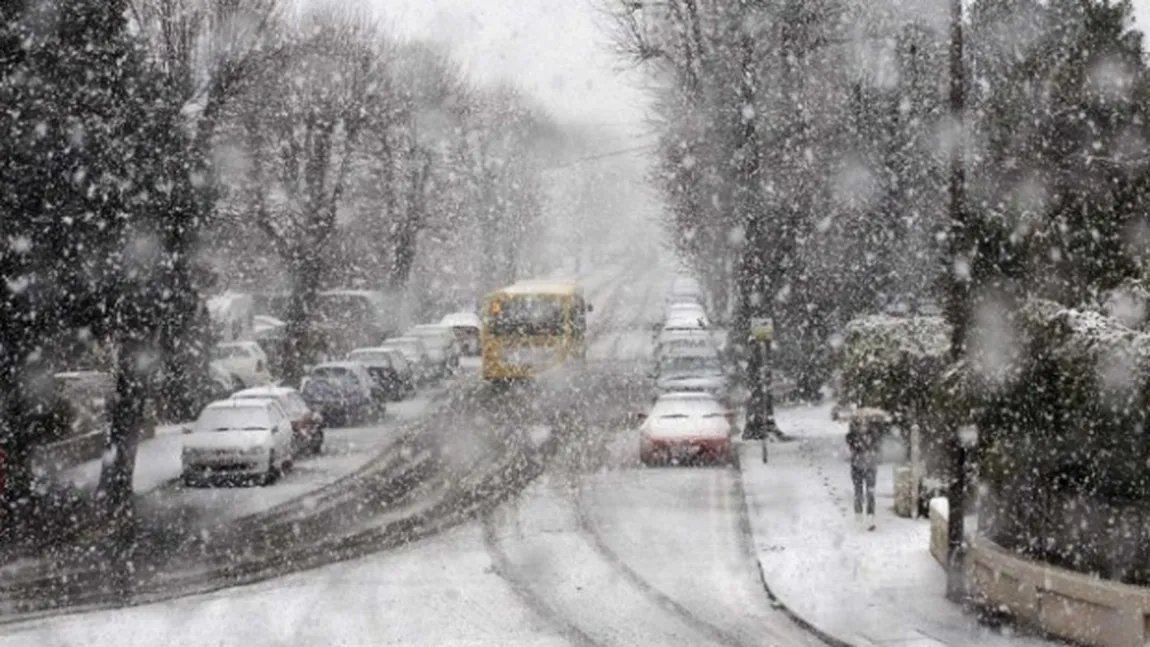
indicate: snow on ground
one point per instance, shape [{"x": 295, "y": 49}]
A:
[
  {"x": 157, "y": 463},
  {"x": 865, "y": 588},
  {"x": 440, "y": 592},
  {"x": 633, "y": 556}
]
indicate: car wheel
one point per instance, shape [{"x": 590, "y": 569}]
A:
[{"x": 187, "y": 480}]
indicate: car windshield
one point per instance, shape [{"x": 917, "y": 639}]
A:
[
  {"x": 371, "y": 358},
  {"x": 526, "y": 315},
  {"x": 338, "y": 374},
  {"x": 410, "y": 350},
  {"x": 324, "y": 389},
  {"x": 229, "y": 352},
  {"x": 690, "y": 365},
  {"x": 686, "y": 408},
  {"x": 233, "y": 418}
]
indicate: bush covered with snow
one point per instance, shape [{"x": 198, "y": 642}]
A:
[
  {"x": 1064, "y": 435},
  {"x": 893, "y": 362}
]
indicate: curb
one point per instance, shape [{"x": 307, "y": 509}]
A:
[{"x": 749, "y": 538}]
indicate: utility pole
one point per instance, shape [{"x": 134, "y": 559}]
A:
[{"x": 959, "y": 273}]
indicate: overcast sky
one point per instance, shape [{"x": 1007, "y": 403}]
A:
[{"x": 552, "y": 48}]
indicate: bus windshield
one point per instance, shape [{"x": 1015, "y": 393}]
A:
[{"x": 526, "y": 315}]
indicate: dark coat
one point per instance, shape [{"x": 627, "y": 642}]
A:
[{"x": 863, "y": 440}]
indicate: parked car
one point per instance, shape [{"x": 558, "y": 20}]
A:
[
  {"x": 685, "y": 287},
  {"x": 417, "y": 354},
  {"x": 684, "y": 322},
  {"x": 307, "y": 425},
  {"x": 685, "y": 342},
  {"x": 380, "y": 365},
  {"x": 467, "y": 327},
  {"x": 404, "y": 368},
  {"x": 687, "y": 428},
  {"x": 441, "y": 345},
  {"x": 700, "y": 372},
  {"x": 347, "y": 394},
  {"x": 238, "y": 438},
  {"x": 244, "y": 359}
]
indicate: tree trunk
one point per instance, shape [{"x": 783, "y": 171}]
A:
[
  {"x": 16, "y": 443},
  {"x": 127, "y": 418},
  {"x": 299, "y": 348}
]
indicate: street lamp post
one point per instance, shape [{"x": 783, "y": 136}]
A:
[{"x": 960, "y": 272}]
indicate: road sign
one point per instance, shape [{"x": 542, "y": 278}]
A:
[{"x": 762, "y": 328}]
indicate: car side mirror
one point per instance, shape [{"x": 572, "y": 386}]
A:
[
  {"x": 590, "y": 308},
  {"x": 639, "y": 417},
  {"x": 186, "y": 429}
]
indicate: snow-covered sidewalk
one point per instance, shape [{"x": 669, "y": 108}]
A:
[
  {"x": 157, "y": 463},
  {"x": 854, "y": 587}
]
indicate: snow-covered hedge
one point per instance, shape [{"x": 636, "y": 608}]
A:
[
  {"x": 893, "y": 362},
  {"x": 1128, "y": 303},
  {"x": 1075, "y": 406}
]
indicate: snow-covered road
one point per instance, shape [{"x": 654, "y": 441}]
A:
[{"x": 597, "y": 551}]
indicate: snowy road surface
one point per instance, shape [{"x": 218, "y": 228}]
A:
[{"x": 596, "y": 551}]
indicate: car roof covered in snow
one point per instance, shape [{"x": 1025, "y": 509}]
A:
[
  {"x": 242, "y": 403},
  {"x": 541, "y": 286},
  {"x": 348, "y": 364},
  {"x": 685, "y": 322},
  {"x": 270, "y": 391},
  {"x": 461, "y": 320}
]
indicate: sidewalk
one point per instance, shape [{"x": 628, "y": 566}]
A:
[
  {"x": 858, "y": 588},
  {"x": 158, "y": 461}
]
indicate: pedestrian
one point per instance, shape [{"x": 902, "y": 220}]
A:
[{"x": 863, "y": 437}]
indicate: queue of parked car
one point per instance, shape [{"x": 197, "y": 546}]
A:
[
  {"x": 691, "y": 420},
  {"x": 259, "y": 430}
]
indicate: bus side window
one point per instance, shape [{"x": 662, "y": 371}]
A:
[{"x": 580, "y": 316}]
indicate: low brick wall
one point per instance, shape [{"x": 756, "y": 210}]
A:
[
  {"x": 60, "y": 455},
  {"x": 1078, "y": 607}
]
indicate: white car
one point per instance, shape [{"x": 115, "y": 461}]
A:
[
  {"x": 467, "y": 327},
  {"x": 685, "y": 342},
  {"x": 685, "y": 288},
  {"x": 353, "y": 373},
  {"x": 307, "y": 425},
  {"x": 697, "y": 372},
  {"x": 684, "y": 428},
  {"x": 245, "y": 360},
  {"x": 685, "y": 310},
  {"x": 441, "y": 345},
  {"x": 417, "y": 355},
  {"x": 238, "y": 438},
  {"x": 683, "y": 321}
]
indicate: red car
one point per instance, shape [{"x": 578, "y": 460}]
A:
[{"x": 687, "y": 428}]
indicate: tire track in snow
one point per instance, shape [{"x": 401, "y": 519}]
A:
[
  {"x": 663, "y": 600},
  {"x": 504, "y": 568}
]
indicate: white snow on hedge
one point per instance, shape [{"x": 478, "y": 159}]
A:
[
  {"x": 1119, "y": 354},
  {"x": 886, "y": 339}
]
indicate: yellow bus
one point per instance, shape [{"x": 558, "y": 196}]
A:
[{"x": 531, "y": 327}]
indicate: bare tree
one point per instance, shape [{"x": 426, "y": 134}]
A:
[
  {"x": 304, "y": 125},
  {"x": 207, "y": 50}
]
